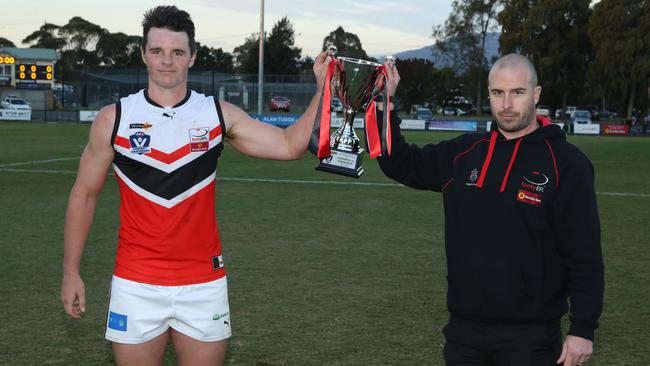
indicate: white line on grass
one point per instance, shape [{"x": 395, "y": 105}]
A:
[
  {"x": 38, "y": 162},
  {"x": 293, "y": 181}
]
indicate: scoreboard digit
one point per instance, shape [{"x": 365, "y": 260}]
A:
[{"x": 34, "y": 72}]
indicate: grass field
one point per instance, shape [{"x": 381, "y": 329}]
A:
[{"x": 319, "y": 273}]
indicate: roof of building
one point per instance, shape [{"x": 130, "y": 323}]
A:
[{"x": 30, "y": 53}]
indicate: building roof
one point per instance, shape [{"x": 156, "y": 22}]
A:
[{"x": 43, "y": 54}]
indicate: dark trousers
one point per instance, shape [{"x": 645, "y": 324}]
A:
[{"x": 483, "y": 344}]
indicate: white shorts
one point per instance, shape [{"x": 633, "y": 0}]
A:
[{"x": 139, "y": 312}]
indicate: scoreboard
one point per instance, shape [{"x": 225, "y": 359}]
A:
[{"x": 33, "y": 72}]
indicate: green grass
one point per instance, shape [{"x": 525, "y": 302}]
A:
[{"x": 318, "y": 274}]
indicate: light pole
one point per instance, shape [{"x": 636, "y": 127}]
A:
[{"x": 260, "y": 70}]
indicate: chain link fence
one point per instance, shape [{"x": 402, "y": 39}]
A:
[{"x": 93, "y": 89}]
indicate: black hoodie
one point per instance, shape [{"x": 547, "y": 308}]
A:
[{"x": 522, "y": 232}]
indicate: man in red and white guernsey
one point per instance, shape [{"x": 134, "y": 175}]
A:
[{"x": 169, "y": 281}]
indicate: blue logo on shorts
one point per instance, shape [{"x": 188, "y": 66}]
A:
[{"x": 117, "y": 321}]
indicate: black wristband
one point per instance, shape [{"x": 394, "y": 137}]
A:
[{"x": 393, "y": 99}]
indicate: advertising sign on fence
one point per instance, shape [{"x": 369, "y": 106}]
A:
[
  {"x": 444, "y": 125},
  {"x": 87, "y": 116},
  {"x": 616, "y": 129},
  {"x": 16, "y": 115},
  {"x": 413, "y": 124},
  {"x": 586, "y": 129},
  {"x": 276, "y": 120}
]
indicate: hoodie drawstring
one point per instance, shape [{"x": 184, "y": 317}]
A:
[
  {"x": 488, "y": 158},
  {"x": 512, "y": 161}
]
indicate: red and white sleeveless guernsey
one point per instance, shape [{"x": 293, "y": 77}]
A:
[{"x": 165, "y": 164}]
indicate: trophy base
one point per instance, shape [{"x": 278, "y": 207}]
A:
[{"x": 343, "y": 163}]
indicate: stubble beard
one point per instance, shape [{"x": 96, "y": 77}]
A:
[{"x": 519, "y": 121}]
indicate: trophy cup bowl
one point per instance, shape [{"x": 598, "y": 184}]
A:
[{"x": 355, "y": 82}]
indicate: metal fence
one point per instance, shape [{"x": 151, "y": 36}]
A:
[{"x": 93, "y": 89}]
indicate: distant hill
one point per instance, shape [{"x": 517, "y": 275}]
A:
[{"x": 432, "y": 54}]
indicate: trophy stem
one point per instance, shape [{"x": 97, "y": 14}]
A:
[{"x": 344, "y": 138}]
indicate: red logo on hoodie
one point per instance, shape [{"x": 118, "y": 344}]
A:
[{"x": 529, "y": 197}]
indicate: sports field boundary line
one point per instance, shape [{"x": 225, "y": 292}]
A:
[
  {"x": 288, "y": 181},
  {"x": 38, "y": 161}
]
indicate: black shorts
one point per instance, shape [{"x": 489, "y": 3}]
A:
[{"x": 487, "y": 344}]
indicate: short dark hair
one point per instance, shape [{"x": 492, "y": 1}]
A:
[{"x": 168, "y": 17}]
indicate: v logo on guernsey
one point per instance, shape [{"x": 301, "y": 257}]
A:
[{"x": 140, "y": 143}]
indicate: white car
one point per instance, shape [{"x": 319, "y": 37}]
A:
[
  {"x": 11, "y": 102},
  {"x": 452, "y": 111},
  {"x": 336, "y": 105},
  {"x": 543, "y": 110},
  {"x": 581, "y": 117},
  {"x": 423, "y": 113},
  {"x": 570, "y": 110}
]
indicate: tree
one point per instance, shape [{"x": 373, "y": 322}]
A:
[
  {"x": 46, "y": 37},
  {"x": 446, "y": 90},
  {"x": 247, "y": 55},
  {"x": 81, "y": 33},
  {"x": 462, "y": 39},
  {"x": 306, "y": 65},
  {"x": 416, "y": 82},
  {"x": 282, "y": 57},
  {"x": 553, "y": 35},
  {"x": 6, "y": 43},
  {"x": 208, "y": 58},
  {"x": 347, "y": 44},
  {"x": 118, "y": 50},
  {"x": 620, "y": 32}
]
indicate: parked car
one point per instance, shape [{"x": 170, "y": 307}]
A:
[
  {"x": 569, "y": 110},
  {"x": 607, "y": 114},
  {"x": 581, "y": 117},
  {"x": 595, "y": 114},
  {"x": 336, "y": 105},
  {"x": 280, "y": 103},
  {"x": 453, "y": 111},
  {"x": 13, "y": 102},
  {"x": 423, "y": 113},
  {"x": 543, "y": 110}
]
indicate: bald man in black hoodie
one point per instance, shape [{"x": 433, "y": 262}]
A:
[{"x": 522, "y": 232}]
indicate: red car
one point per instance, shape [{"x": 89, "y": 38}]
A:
[{"x": 280, "y": 103}]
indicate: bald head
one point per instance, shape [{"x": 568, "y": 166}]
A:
[{"x": 514, "y": 61}]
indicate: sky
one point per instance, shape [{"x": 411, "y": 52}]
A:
[{"x": 384, "y": 27}]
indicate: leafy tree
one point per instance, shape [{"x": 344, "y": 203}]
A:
[
  {"x": 306, "y": 65},
  {"x": 347, "y": 44},
  {"x": 553, "y": 35},
  {"x": 208, "y": 58},
  {"x": 6, "y": 43},
  {"x": 462, "y": 39},
  {"x": 81, "y": 33},
  {"x": 118, "y": 50},
  {"x": 416, "y": 82},
  {"x": 280, "y": 56},
  {"x": 447, "y": 88},
  {"x": 620, "y": 31},
  {"x": 46, "y": 37},
  {"x": 247, "y": 55}
]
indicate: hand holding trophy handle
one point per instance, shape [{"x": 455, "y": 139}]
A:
[{"x": 356, "y": 82}]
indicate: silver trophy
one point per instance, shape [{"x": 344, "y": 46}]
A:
[{"x": 355, "y": 82}]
